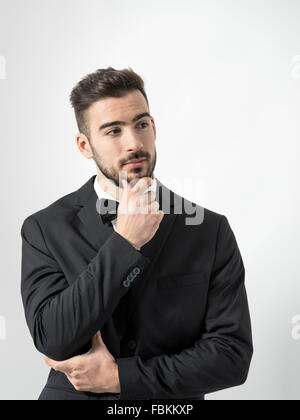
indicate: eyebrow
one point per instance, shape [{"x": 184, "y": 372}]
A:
[{"x": 136, "y": 118}]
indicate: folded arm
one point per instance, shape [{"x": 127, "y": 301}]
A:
[{"x": 62, "y": 318}]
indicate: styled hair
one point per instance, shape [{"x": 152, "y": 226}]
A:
[{"x": 101, "y": 84}]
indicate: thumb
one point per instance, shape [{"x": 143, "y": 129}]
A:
[
  {"x": 125, "y": 184},
  {"x": 96, "y": 340},
  {"x": 126, "y": 190}
]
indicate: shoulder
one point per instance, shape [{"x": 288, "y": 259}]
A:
[
  {"x": 62, "y": 207},
  {"x": 62, "y": 210}
]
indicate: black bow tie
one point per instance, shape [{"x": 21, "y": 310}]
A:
[{"x": 108, "y": 210}]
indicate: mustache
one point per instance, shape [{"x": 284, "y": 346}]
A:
[{"x": 137, "y": 156}]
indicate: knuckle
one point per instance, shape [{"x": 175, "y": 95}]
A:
[
  {"x": 150, "y": 196},
  {"x": 135, "y": 189},
  {"x": 144, "y": 182},
  {"x": 145, "y": 179},
  {"x": 155, "y": 206},
  {"x": 78, "y": 366},
  {"x": 76, "y": 385}
]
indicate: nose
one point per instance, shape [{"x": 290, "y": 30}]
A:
[{"x": 132, "y": 141}]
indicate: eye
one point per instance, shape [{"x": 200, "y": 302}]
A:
[
  {"x": 146, "y": 124},
  {"x": 116, "y": 129}
]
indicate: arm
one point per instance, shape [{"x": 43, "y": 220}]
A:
[
  {"x": 62, "y": 318},
  {"x": 220, "y": 358}
]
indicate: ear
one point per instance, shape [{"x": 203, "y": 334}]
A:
[
  {"x": 154, "y": 128},
  {"x": 84, "y": 145}
]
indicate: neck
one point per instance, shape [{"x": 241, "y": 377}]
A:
[{"x": 109, "y": 187}]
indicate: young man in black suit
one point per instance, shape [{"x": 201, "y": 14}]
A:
[{"x": 128, "y": 293}]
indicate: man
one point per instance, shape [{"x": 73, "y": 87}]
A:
[{"x": 128, "y": 293}]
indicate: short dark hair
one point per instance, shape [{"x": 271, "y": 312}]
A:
[{"x": 101, "y": 84}]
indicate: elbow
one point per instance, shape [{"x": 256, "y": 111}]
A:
[
  {"x": 50, "y": 346},
  {"x": 54, "y": 353},
  {"x": 241, "y": 377},
  {"x": 52, "y": 350},
  {"x": 242, "y": 365}
]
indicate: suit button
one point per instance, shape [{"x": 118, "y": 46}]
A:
[
  {"x": 126, "y": 283},
  {"x": 136, "y": 270},
  {"x": 131, "y": 344},
  {"x": 130, "y": 277}
]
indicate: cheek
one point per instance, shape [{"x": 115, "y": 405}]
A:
[{"x": 108, "y": 153}]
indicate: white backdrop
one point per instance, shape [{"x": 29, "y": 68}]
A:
[{"x": 223, "y": 81}]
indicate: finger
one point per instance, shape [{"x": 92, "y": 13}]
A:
[
  {"x": 149, "y": 197},
  {"x": 122, "y": 178},
  {"x": 142, "y": 185},
  {"x": 154, "y": 207},
  {"x": 151, "y": 208},
  {"x": 145, "y": 200},
  {"x": 96, "y": 340},
  {"x": 125, "y": 184},
  {"x": 47, "y": 360},
  {"x": 125, "y": 193},
  {"x": 51, "y": 363},
  {"x": 65, "y": 366},
  {"x": 97, "y": 335},
  {"x": 161, "y": 214},
  {"x": 69, "y": 377},
  {"x": 100, "y": 340}
]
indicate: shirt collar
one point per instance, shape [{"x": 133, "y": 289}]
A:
[{"x": 103, "y": 194}]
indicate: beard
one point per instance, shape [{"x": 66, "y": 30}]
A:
[{"x": 133, "y": 175}]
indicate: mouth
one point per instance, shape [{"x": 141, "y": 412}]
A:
[{"x": 135, "y": 163}]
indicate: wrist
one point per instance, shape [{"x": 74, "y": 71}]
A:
[
  {"x": 115, "y": 387},
  {"x": 131, "y": 243},
  {"x": 134, "y": 245}
]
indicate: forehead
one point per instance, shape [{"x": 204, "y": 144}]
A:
[{"x": 124, "y": 108}]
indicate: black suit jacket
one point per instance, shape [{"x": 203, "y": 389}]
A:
[{"x": 174, "y": 315}]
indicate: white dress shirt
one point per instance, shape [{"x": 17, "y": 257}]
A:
[{"x": 103, "y": 194}]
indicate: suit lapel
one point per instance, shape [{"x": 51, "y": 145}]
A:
[{"x": 94, "y": 230}]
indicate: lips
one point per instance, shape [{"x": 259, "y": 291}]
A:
[{"x": 135, "y": 161}]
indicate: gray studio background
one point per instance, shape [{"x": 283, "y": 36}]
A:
[{"x": 223, "y": 81}]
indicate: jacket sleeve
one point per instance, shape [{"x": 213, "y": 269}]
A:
[
  {"x": 61, "y": 317},
  {"x": 220, "y": 358}
]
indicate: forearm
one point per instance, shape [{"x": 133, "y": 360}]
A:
[{"x": 207, "y": 367}]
